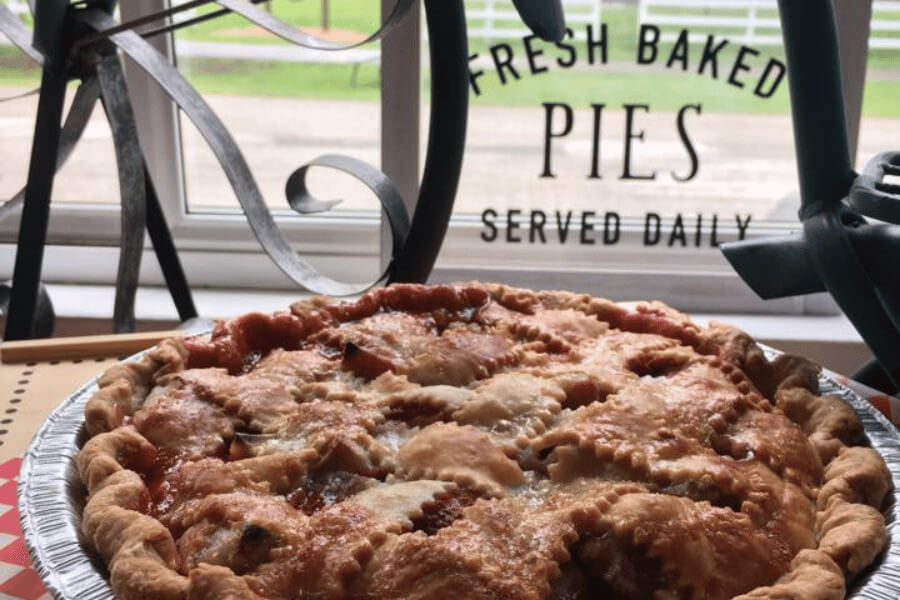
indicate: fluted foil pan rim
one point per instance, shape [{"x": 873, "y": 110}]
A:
[{"x": 71, "y": 571}]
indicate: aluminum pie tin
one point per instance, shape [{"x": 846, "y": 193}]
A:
[{"x": 51, "y": 498}]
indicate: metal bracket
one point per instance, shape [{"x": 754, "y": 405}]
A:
[
  {"x": 130, "y": 161},
  {"x": 838, "y": 251}
]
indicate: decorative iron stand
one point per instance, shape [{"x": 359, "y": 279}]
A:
[{"x": 82, "y": 41}]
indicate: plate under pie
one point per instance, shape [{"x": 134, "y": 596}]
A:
[{"x": 477, "y": 440}]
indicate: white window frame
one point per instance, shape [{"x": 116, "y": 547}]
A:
[{"x": 218, "y": 249}]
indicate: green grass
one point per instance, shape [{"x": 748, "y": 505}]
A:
[
  {"x": 17, "y": 78},
  {"x": 321, "y": 81},
  {"x": 882, "y": 99},
  {"x": 353, "y": 15},
  {"x": 622, "y": 25},
  {"x": 614, "y": 84},
  {"x": 579, "y": 87},
  {"x": 17, "y": 70},
  {"x": 663, "y": 91}
]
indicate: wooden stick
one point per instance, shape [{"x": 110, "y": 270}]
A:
[{"x": 91, "y": 346}]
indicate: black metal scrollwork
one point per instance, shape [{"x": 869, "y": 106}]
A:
[
  {"x": 545, "y": 17},
  {"x": 130, "y": 161},
  {"x": 300, "y": 199},
  {"x": 84, "y": 32},
  {"x": 303, "y": 202},
  {"x": 230, "y": 159}
]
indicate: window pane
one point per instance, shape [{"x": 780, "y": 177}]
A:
[
  {"x": 284, "y": 105},
  {"x": 880, "y": 126},
  {"x": 18, "y": 75},
  {"x": 606, "y": 122},
  {"x": 89, "y": 176}
]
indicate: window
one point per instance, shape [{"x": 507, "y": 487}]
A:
[
  {"x": 708, "y": 155},
  {"x": 555, "y": 189}
]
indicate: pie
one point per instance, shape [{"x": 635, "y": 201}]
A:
[{"x": 476, "y": 442}]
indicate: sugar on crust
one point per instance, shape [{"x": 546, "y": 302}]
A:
[{"x": 481, "y": 442}]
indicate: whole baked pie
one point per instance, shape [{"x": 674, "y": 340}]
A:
[{"x": 476, "y": 442}]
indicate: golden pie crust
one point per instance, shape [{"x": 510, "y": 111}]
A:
[{"x": 476, "y": 442}]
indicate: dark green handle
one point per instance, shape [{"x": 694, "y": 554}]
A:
[{"x": 817, "y": 104}]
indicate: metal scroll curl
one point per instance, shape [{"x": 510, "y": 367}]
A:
[
  {"x": 230, "y": 158},
  {"x": 263, "y": 19},
  {"x": 415, "y": 246},
  {"x": 67, "y": 33},
  {"x": 13, "y": 29},
  {"x": 301, "y": 200},
  {"x": 544, "y": 17},
  {"x": 130, "y": 162}
]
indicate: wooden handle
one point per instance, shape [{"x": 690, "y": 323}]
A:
[{"x": 91, "y": 346}]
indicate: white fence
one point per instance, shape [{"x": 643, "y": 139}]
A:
[
  {"x": 751, "y": 22},
  {"x": 885, "y": 25},
  {"x": 497, "y": 19}
]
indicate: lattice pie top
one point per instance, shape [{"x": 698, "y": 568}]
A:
[{"x": 476, "y": 442}]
